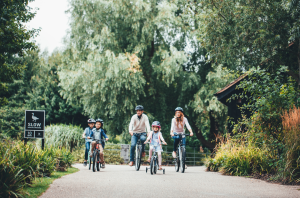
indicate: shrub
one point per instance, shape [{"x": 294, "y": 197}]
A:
[
  {"x": 12, "y": 180},
  {"x": 64, "y": 159},
  {"x": 241, "y": 159},
  {"x": 61, "y": 135},
  {"x": 47, "y": 162}
]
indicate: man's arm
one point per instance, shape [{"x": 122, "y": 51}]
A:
[
  {"x": 131, "y": 126},
  {"x": 147, "y": 125}
]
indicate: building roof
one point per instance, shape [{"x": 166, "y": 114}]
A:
[{"x": 232, "y": 83}]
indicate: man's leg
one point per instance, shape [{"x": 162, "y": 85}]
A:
[
  {"x": 132, "y": 149},
  {"x": 143, "y": 139}
]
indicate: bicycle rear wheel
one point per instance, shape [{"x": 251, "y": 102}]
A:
[
  {"x": 138, "y": 156},
  {"x": 182, "y": 160},
  {"x": 94, "y": 161},
  {"x": 90, "y": 162}
]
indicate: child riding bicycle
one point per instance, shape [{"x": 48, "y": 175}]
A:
[
  {"x": 86, "y": 134},
  {"x": 96, "y": 135},
  {"x": 155, "y": 137}
]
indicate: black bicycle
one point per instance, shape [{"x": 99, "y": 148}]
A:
[
  {"x": 154, "y": 162},
  {"x": 180, "y": 154},
  {"x": 96, "y": 158},
  {"x": 138, "y": 151}
]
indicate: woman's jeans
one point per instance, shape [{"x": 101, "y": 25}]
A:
[
  {"x": 134, "y": 140},
  {"x": 176, "y": 142},
  {"x": 87, "y": 149}
]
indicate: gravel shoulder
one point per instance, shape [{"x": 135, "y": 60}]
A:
[{"x": 123, "y": 181}]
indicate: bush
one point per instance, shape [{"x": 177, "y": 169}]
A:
[
  {"x": 47, "y": 162},
  {"x": 12, "y": 180},
  {"x": 240, "y": 159},
  {"x": 61, "y": 135}
]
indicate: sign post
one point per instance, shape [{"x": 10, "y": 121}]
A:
[{"x": 35, "y": 124}]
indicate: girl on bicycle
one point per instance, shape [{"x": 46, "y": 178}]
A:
[
  {"x": 177, "y": 126},
  {"x": 155, "y": 137}
]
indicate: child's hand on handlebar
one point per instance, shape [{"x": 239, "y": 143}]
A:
[
  {"x": 89, "y": 137},
  {"x": 165, "y": 143},
  {"x": 106, "y": 139},
  {"x": 146, "y": 142}
]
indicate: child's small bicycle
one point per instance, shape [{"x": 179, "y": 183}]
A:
[
  {"x": 96, "y": 164},
  {"x": 154, "y": 163}
]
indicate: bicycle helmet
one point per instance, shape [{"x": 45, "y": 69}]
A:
[
  {"x": 156, "y": 123},
  {"x": 139, "y": 107},
  {"x": 91, "y": 120},
  {"x": 100, "y": 120},
  {"x": 179, "y": 109}
]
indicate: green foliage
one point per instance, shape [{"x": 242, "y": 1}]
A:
[
  {"x": 14, "y": 40},
  {"x": 62, "y": 135},
  {"x": 241, "y": 159},
  {"x": 268, "y": 94}
]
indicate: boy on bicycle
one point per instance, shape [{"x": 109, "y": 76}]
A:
[
  {"x": 97, "y": 137},
  {"x": 86, "y": 134},
  {"x": 155, "y": 137}
]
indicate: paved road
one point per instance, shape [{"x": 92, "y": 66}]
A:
[{"x": 123, "y": 181}]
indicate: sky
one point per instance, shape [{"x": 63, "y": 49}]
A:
[{"x": 52, "y": 20}]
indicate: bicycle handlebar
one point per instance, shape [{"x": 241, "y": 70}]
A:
[{"x": 179, "y": 134}]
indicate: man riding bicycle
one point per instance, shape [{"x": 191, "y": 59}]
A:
[{"x": 139, "y": 124}]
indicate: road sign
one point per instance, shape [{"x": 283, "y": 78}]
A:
[{"x": 34, "y": 124}]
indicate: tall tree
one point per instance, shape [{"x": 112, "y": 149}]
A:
[{"x": 14, "y": 40}]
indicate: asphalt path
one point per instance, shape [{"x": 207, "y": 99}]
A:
[{"x": 124, "y": 181}]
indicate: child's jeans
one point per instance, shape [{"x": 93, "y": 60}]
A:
[
  {"x": 176, "y": 142},
  {"x": 87, "y": 149},
  {"x": 158, "y": 153}
]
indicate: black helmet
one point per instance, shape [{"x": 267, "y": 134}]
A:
[
  {"x": 156, "y": 123},
  {"x": 139, "y": 107},
  {"x": 179, "y": 109},
  {"x": 91, "y": 120},
  {"x": 100, "y": 120}
]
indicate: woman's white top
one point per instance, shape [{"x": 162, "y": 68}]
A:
[{"x": 180, "y": 128}]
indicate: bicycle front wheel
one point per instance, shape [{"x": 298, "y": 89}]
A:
[
  {"x": 151, "y": 166},
  {"x": 90, "y": 162},
  {"x": 98, "y": 162},
  {"x": 138, "y": 156},
  {"x": 94, "y": 161},
  {"x": 182, "y": 160}
]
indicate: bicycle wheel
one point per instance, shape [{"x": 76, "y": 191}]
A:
[
  {"x": 98, "y": 162},
  {"x": 94, "y": 161},
  {"x": 138, "y": 155},
  {"x": 182, "y": 160},
  {"x": 177, "y": 162},
  {"x": 151, "y": 166}
]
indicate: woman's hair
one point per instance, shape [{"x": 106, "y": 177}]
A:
[{"x": 179, "y": 120}]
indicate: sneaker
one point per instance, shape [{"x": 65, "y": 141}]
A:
[
  {"x": 174, "y": 154},
  {"x": 103, "y": 165},
  {"x": 84, "y": 163},
  {"x": 185, "y": 167},
  {"x": 160, "y": 168},
  {"x": 148, "y": 160},
  {"x": 131, "y": 163}
]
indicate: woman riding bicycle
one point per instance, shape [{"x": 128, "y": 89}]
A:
[
  {"x": 177, "y": 127},
  {"x": 155, "y": 137}
]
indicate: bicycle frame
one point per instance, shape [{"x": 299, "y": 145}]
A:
[
  {"x": 138, "y": 151},
  {"x": 154, "y": 162}
]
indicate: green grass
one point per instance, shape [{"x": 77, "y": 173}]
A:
[{"x": 40, "y": 185}]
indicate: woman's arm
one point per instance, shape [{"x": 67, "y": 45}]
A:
[{"x": 188, "y": 126}]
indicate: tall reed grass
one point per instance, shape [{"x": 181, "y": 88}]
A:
[{"x": 291, "y": 132}]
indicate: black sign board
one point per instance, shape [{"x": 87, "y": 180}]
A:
[{"x": 34, "y": 124}]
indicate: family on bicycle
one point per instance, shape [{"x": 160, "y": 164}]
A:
[{"x": 139, "y": 129}]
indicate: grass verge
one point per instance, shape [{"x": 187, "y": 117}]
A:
[{"x": 40, "y": 185}]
